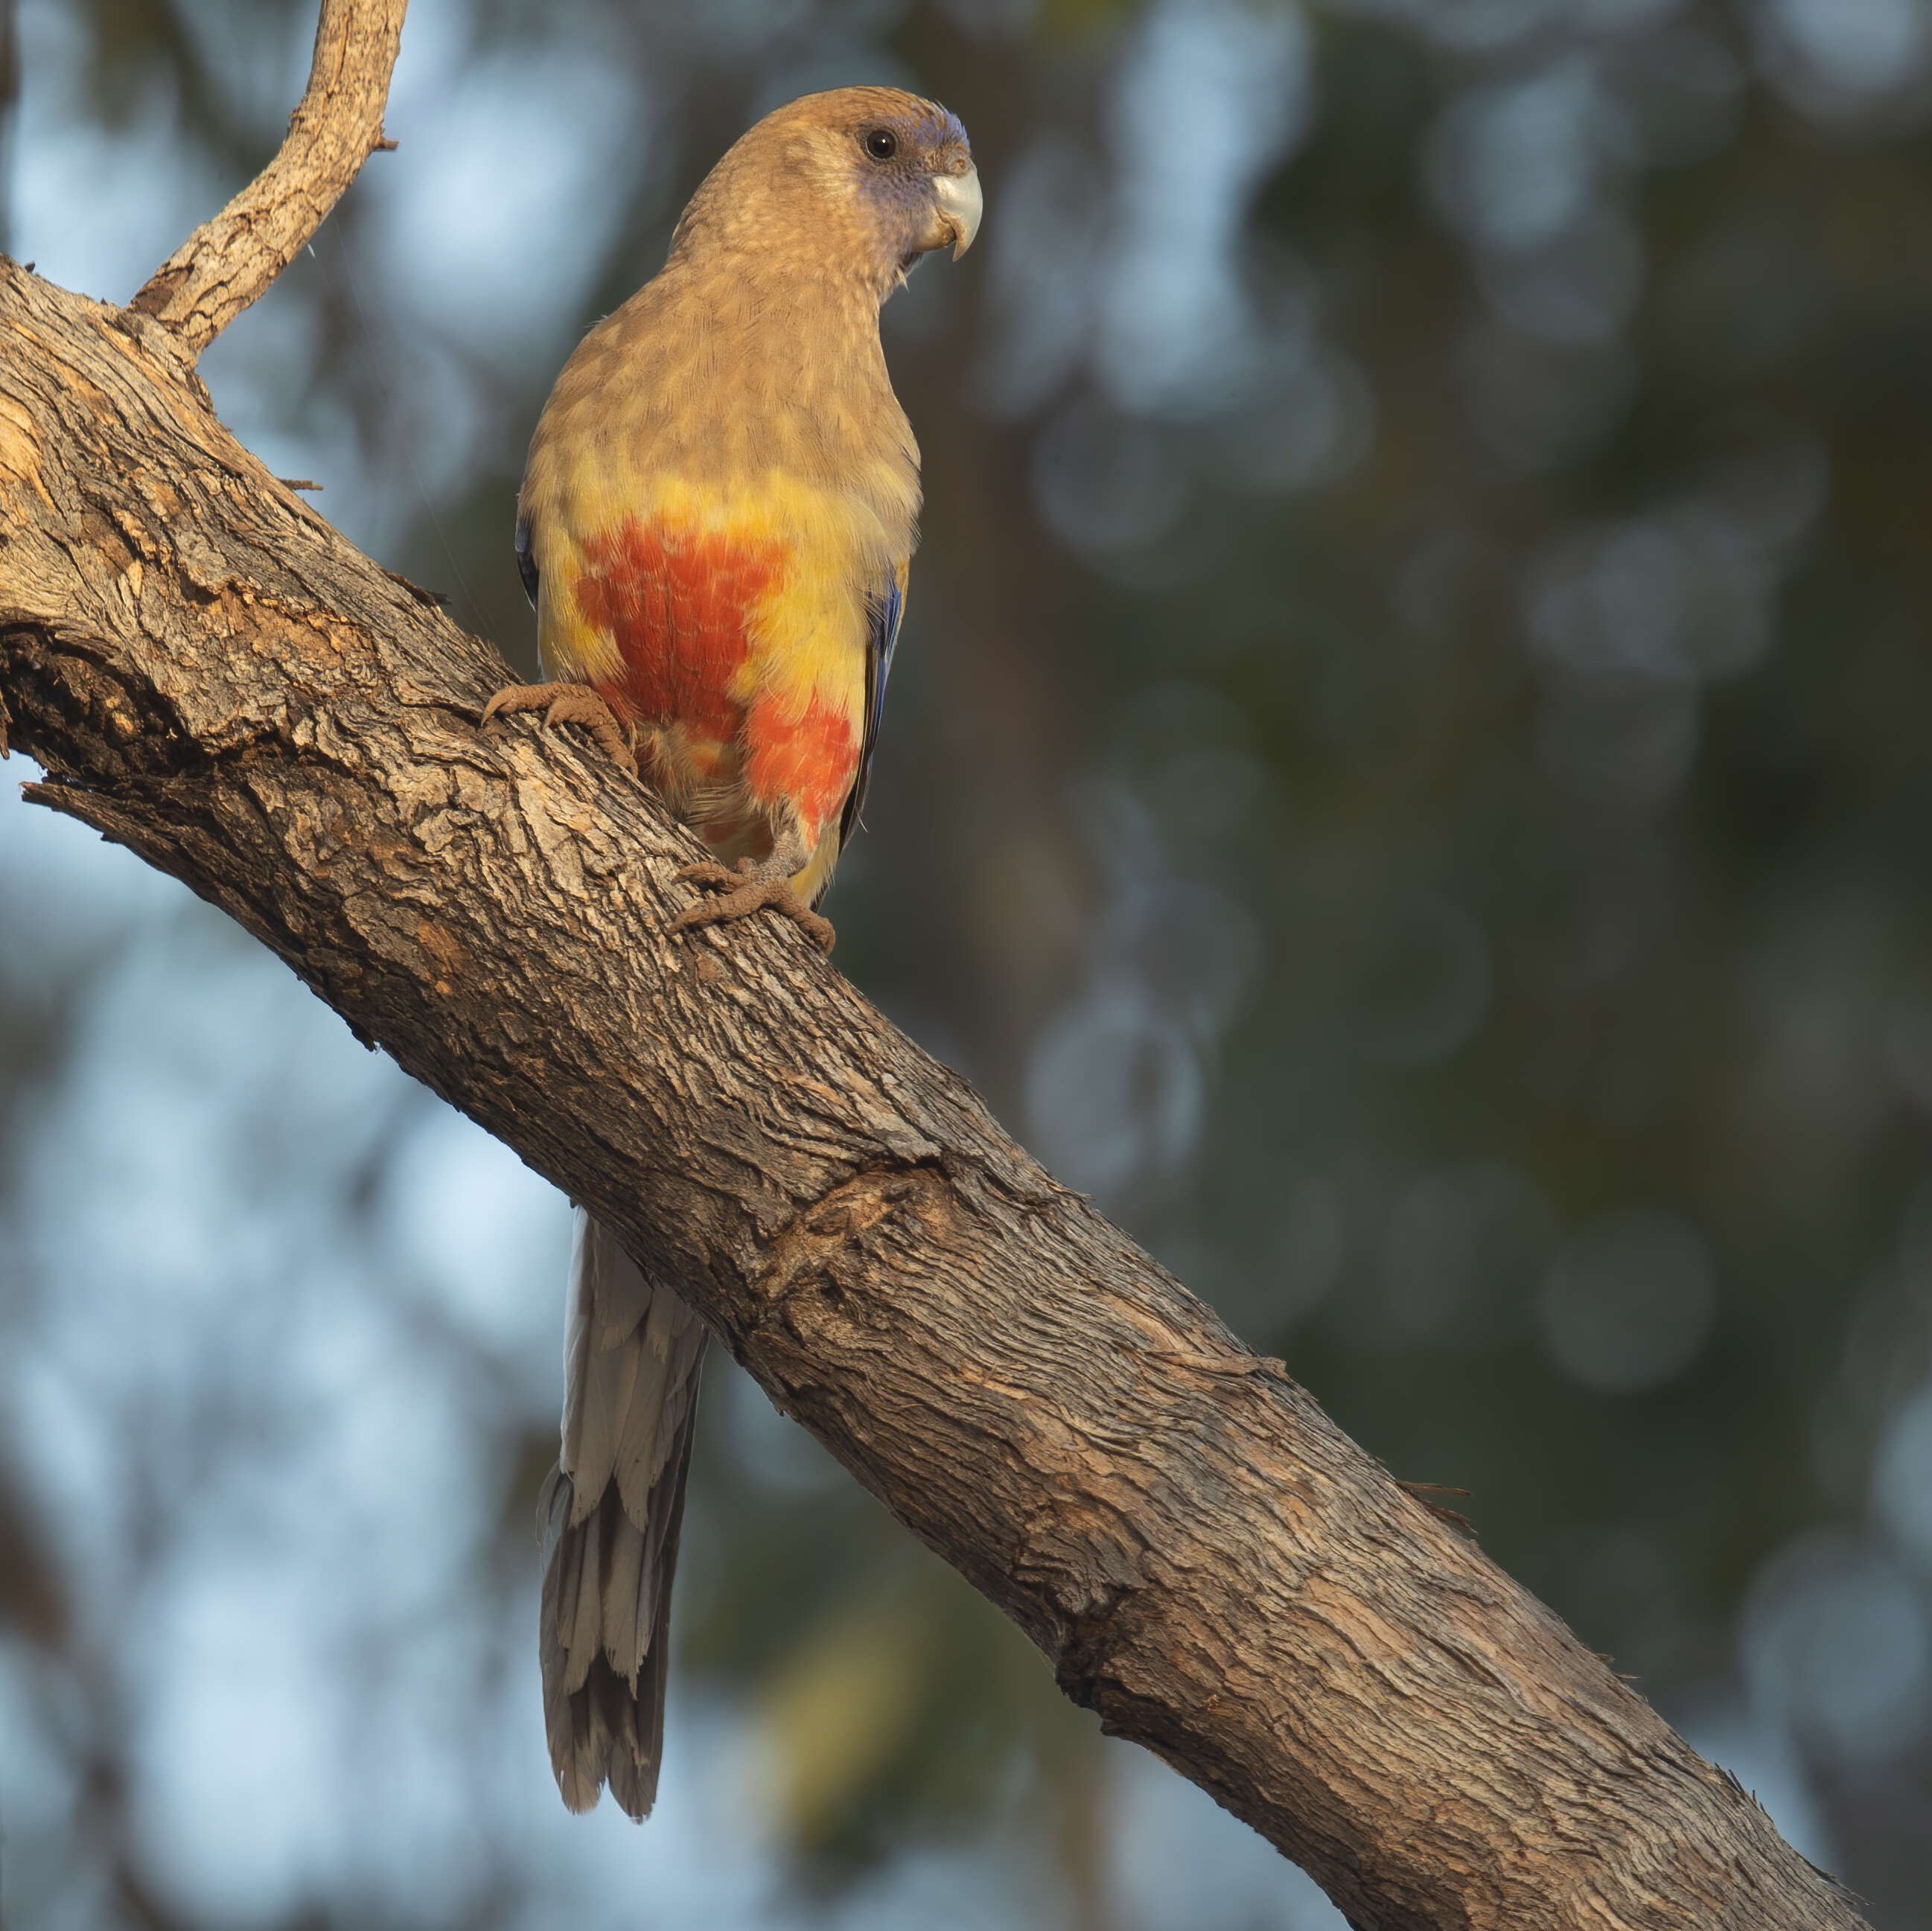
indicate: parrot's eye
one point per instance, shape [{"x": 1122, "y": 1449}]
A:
[{"x": 882, "y": 144}]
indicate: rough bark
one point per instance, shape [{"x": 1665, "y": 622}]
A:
[{"x": 211, "y": 676}]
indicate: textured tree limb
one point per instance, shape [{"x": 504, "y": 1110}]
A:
[
  {"x": 232, "y": 259},
  {"x": 211, "y": 676}
]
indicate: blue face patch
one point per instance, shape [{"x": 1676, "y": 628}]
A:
[{"x": 900, "y": 186}]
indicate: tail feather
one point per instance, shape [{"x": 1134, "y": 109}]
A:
[
  {"x": 671, "y": 1341},
  {"x": 609, "y": 1518}
]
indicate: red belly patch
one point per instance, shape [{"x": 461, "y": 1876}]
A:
[
  {"x": 810, "y": 760},
  {"x": 678, "y": 604}
]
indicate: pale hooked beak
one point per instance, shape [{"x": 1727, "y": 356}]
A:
[{"x": 960, "y": 204}]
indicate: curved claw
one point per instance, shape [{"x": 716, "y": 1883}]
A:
[
  {"x": 746, "y": 891},
  {"x": 566, "y": 704}
]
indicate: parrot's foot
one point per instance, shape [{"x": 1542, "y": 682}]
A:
[
  {"x": 751, "y": 888},
  {"x": 567, "y": 704}
]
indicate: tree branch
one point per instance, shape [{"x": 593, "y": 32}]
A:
[
  {"x": 230, "y": 260},
  {"x": 214, "y": 678}
]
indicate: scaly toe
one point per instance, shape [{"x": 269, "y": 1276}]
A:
[
  {"x": 512, "y": 698},
  {"x": 751, "y": 894},
  {"x": 579, "y": 705},
  {"x": 708, "y": 871},
  {"x": 565, "y": 704}
]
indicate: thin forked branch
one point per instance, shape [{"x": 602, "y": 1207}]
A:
[{"x": 231, "y": 259}]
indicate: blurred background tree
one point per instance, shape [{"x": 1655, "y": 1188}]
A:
[{"x": 1408, "y": 779}]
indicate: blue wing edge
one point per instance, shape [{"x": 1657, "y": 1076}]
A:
[{"x": 884, "y": 608}]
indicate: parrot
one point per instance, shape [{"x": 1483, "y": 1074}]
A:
[{"x": 717, "y": 516}]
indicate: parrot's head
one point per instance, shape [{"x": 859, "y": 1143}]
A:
[{"x": 864, "y": 179}]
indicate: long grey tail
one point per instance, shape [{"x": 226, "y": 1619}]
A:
[{"x": 608, "y": 1517}]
